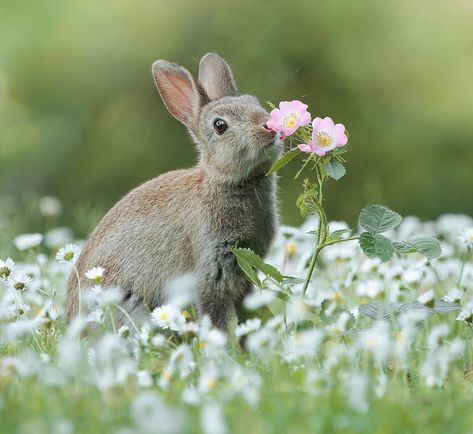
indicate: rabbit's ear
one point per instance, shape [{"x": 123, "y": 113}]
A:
[
  {"x": 215, "y": 77},
  {"x": 178, "y": 91}
]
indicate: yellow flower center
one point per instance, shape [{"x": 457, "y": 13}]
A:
[
  {"x": 201, "y": 345},
  {"x": 211, "y": 382},
  {"x": 291, "y": 248},
  {"x": 163, "y": 316},
  {"x": 186, "y": 314},
  {"x": 337, "y": 297},
  {"x": 324, "y": 139},
  {"x": 290, "y": 120}
]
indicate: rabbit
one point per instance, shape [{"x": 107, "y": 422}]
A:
[{"x": 188, "y": 220}]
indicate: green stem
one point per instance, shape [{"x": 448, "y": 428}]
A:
[
  {"x": 79, "y": 290},
  {"x": 460, "y": 276},
  {"x": 128, "y": 317},
  {"x": 321, "y": 231},
  {"x": 114, "y": 327},
  {"x": 342, "y": 240}
]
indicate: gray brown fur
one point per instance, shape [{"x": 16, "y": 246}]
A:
[{"x": 189, "y": 220}]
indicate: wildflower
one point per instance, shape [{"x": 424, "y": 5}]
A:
[
  {"x": 144, "y": 379},
  {"x": 58, "y": 237},
  {"x": 6, "y": 268},
  {"x": 212, "y": 419},
  {"x": 466, "y": 314},
  {"x": 27, "y": 241},
  {"x": 95, "y": 274},
  {"x": 291, "y": 248},
  {"x": 257, "y": 299},
  {"x": 168, "y": 317},
  {"x": 376, "y": 341},
  {"x": 302, "y": 344},
  {"x": 427, "y": 298},
  {"x": 248, "y": 326},
  {"x": 103, "y": 297},
  {"x": 453, "y": 296},
  {"x": 326, "y": 136},
  {"x": 20, "y": 281},
  {"x": 289, "y": 117},
  {"x": 124, "y": 331},
  {"x": 466, "y": 238},
  {"x": 68, "y": 253},
  {"x": 50, "y": 206},
  {"x": 152, "y": 415}
]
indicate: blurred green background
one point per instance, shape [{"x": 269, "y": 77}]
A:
[{"x": 80, "y": 117}]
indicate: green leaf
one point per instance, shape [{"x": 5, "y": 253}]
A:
[
  {"x": 337, "y": 235},
  {"x": 249, "y": 272},
  {"x": 286, "y": 158},
  {"x": 289, "y": 280},
  {"x": 255, "y": 261},
  {"x": 334, "y": 169},
  {"x": 377, "y": 219},
  {"x": 340, "y": 150},
  {"x": 428, "y": 247},
  {"x": 376, "y": 246}
]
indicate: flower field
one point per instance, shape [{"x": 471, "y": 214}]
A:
[{"x": 372, "y": 347}]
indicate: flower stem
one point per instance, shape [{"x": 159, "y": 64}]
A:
[
  {"x": 79, "y": 290},
  {"x": 322, "y": 228},
  {"x": 460, "y": 276},
  {"x": 128, "y": 316}
]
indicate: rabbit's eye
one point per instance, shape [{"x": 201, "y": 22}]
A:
[{"x": 220, "y": 126}]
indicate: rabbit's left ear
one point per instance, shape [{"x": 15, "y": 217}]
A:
[{"x": 215, "y": 77}]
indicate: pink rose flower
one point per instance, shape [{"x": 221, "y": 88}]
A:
[
  {"x": 326, "y": 136},
  {"x": 288, "y": 117}
]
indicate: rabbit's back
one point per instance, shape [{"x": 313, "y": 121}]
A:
[{"x": 144, "y": 239}]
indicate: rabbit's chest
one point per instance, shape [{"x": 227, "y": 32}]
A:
[{"x": 247, "y": 217}]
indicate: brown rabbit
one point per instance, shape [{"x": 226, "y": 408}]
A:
[{"x": 189, "y": 220}]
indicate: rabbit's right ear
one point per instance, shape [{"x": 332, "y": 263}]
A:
[{"x": 178, "y": 91}]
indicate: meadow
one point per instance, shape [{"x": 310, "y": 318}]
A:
[
  {"x": 360, "y": 321},
  {"x": 373, "y": 348}
]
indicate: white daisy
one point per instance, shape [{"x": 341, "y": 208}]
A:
[
  {"x": 27, "y": 241},
  {"x": 20, "y": 281},
  {"x": 168, "y": 317},
  {"x": 6, "y": 268},
  {"x": 68, "y": 253},
  {"x": 248, "y": 326},
  {"x": 427, "y": 298},
  {"x": 124, "y": 331},
  {"x": 50, "y": 206},
  {"x": 466, "y": 238},
  {"x": 466, "y": 314},
  {"x": 95, "y": 274},
  {"x": 453, "y": 296}
]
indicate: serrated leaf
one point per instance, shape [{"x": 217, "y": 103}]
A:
[
  {"x": 428, "y": 247},
  {"x": 376, "y": 246},
  {"x": 377, "y": 219},
  {"x": 334, "y": 169},
  {"x": 257, "y": 262},
  {"x": 286, "y": 158},
  {"x": 249, "y": 272}
]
